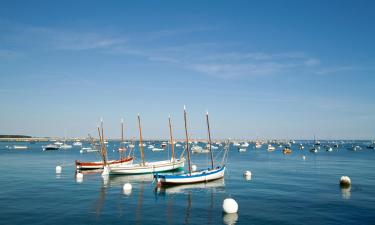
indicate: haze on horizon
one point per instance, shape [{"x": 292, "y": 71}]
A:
[{"x": 263, "y": 69}]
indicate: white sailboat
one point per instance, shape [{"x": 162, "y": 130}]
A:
[
  {"x": 154, "y": 149},
  {"x": 199, "y": 149},
  {"x": 77, "y": 143},
  {"x": 190, "y": 177},
  {"x": 242, "y": 149},
  {"x": 270, "y": 148},
  {"x": 65, "y": 145},
  {"x": 20, "y": 147},
  {"x": 245, "y": 145},
  {"x": 147, "y": 167}
]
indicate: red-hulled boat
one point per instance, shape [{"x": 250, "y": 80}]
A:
[{"x": 99, "y": 164}]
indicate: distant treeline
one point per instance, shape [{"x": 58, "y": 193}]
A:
[{"x": 14, "y": 136}]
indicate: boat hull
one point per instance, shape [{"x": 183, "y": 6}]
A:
[
  {"x": 99, "y": 164},
  {"x": 20, "y": 147},
  {"x": 195, "y": 177},
  {"x": 51, "y": 148},
  {"x": 151, "y": 167}
]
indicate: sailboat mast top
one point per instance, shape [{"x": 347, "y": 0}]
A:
[
  {"x": 209, "y": 141},
  {"x": 140, "y": 140},
  {"x": 171, "y": 135},
  {"x": 187, "y": 142}
]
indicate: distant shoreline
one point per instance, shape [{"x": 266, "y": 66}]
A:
[{"x": 24, "y": 138}]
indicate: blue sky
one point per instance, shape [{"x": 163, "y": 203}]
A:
[{"x": 263, "y": 69}]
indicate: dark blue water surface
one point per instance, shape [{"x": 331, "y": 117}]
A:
[{"x": 284, "y": 189}]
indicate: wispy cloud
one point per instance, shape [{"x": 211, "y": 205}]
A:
[
  {"x": 11, "y": 54},
  {"x": 337, "y": 69},
  {"x": 208, "y": 58},
  {"x": 74, "y": 40}
]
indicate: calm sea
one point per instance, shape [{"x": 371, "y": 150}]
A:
[{"x": 284, "y": 189}]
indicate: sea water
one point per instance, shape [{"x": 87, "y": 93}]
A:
[{"x": 283, "y": 189}]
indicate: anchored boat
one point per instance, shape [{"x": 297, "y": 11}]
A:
[
  {"x": 124, "y": 160},
  {"x": 50, "y": 147},
  {"x": 147, "y": 167},
  {"x": 190, "y": 177}
]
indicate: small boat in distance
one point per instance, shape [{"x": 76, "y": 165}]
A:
[
  {"x": 65, "y": 146},
  {"x": 328, "y": 148},
  {"x": 242, "y": 149},
  {"x": 245, "y": 145},
  {"x": 88, "y": 149},
  {"x": 199, "y": 149},
  {"x": 258, "y": 145},
  {"x": 51, "y": 147},
  {"x": 236, "y": 144},
  {"x": 77, "y": 143},
  {"x": 354, "y": 148},
  {"x": 287, "y": 150},
  {"x": 270, "y": 148},
  {"x": 157, "y": 149},
  {"x": 20, "y": 147}
]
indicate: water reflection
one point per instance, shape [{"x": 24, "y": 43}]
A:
[
  {"x": 216, "y": 186},
  {"x": 345, "y": 192},
  {"x": 118, "y": 182},
  {"x": 230, "y": 218},
  {"x": 172, "y": 192}
]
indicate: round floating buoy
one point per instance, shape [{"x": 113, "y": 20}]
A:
[
  {"x": 230, "y": 205},
  {"x": 58, "y": 169},
  {"x": 304, "y": 157},
  {"x": 247, "y": 173},
  {"x": 105, "y": 171},
  {"x": 345, "y": 181},
  {"x": 79, "y": 175},
  {"x": 127, "y": 188},
  {"x": 194, "y": 168}
]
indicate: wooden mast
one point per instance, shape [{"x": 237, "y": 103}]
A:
[
  {"x": 140, "y": 141},
  {"x": 209, "y": 141},
  {"x": 104, "y": 148},
  {"x": 170, "y": 132},
  {"x": 122, "y": 147},
  {"x": 187, "y": 141},
  {"x": 122, "y": 131},
  {"x": 102, "y": 151}
]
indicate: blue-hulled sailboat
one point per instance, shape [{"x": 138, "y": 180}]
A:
[{"x": 190, "y": 177}]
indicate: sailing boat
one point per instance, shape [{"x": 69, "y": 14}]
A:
[
  {"x": 65, "y": 145},
  {"x": 147, "y": 167},
  {"x": 198, "y": 176},
  {"x": 100, "y": 164}
]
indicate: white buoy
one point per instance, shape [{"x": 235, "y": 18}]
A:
[
  {"x": 193, "y": 168},
  {"x": 79, "y": 177},
  {"x": 345, "y": 181},
  {"x": 247, "y": 173},
  {"x": 304, "y": 157},
  {"x": 230, "y": 205},
  {"x": 127, "y": 188},
  {"x": 105, "y": 171},
  {"x": 58, "y": 169}
]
